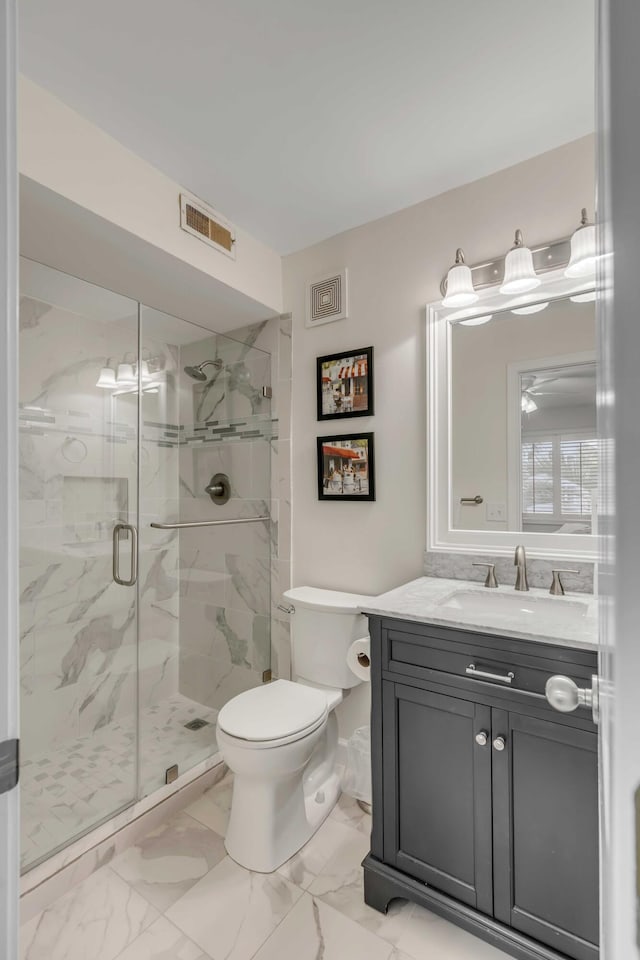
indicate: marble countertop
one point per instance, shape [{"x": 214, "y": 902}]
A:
[{"x": 422, "y": 600}]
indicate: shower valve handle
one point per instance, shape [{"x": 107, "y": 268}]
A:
[{"x": 219, "y": 488}]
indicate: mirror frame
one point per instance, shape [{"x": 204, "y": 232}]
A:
[{"x": 441, "y": 536}]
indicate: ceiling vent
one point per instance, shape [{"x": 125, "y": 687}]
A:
[
  {"x": 327, "y": 299},
  {"x": 205, "y": 223}
]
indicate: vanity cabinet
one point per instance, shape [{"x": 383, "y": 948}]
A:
[{"x": 485, "y": 799}]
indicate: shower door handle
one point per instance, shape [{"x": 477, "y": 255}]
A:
[{"x": 116, "y": 554}]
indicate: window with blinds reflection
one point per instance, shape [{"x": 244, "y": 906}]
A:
[{"x": 559, "y": 478}]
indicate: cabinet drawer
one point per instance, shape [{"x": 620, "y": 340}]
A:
[{"x": 509, "y": 664}]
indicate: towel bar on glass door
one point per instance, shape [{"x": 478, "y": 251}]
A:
[{"x": 206, "y": 523}]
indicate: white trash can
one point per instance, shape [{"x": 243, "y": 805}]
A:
[{"x": 356, "y": 780}]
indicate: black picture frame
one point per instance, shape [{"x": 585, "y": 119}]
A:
[
  {"x": 352, "y": 402},
  {"x": 362, "y": 481}
]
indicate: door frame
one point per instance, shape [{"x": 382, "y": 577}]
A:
[
  {"x": 619, "y": 390},
  {"x": 9, "y": 801}
]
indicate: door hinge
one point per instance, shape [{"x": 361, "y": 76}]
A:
[
  {"x": 267, "y": 392},
  {"x": 9, "y": 765}
]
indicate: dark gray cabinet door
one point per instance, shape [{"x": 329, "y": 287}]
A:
[
  {"x": 545, "y": 832},
  {"x": 437, "y": 791}
]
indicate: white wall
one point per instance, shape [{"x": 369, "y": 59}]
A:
[
  {"x": 395, "y": 267},
  {"x": 66, "y": 153}
]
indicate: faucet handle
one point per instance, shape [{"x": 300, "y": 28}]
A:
[
  {"x": 491, "y": 573},
  {"x": 557, "y": 586}
]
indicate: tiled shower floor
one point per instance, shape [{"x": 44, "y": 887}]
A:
[
  {"x": 175, "y": 895},
  {"x": 76, "y": 786}
]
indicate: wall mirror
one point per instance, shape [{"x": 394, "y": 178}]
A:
[{"x": 513, "y": 450}]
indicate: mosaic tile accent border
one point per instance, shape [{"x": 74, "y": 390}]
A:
[{"x": 40, "y": 421}]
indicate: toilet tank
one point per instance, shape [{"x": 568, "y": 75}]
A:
[{"x": 324, "y": 625}]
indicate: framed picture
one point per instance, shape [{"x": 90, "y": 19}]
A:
[
  {"x": 346, "y": 468},
  {"x": 345, "y": 384}
]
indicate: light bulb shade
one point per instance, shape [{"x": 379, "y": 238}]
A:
[
  {"x": 582, "y": 262},
  {"x": 145, "y": 375},
  {"x": 476, "y": 321},
  {"x": 107, "y": 379},
  {"x": 532, "y": 308},
  {"x": 519, "y": 272},
  {"x": 126, "y": 376},
  {"x": 583, "y": 297},
  {"x": 460, "y": 292}
]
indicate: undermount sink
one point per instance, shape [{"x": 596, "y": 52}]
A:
[{"x": 491, "y": 603}]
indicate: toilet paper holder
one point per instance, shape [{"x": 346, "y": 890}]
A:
[{"x": 363, "y": 660}]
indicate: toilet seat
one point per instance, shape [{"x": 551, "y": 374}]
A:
[{"x": 274, "y": 714}]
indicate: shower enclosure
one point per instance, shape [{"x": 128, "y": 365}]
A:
[{"x": 141, "y": 613}]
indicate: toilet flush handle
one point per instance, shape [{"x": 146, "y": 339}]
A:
[{"x": 286, "y": 607}]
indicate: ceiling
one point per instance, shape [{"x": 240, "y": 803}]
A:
[{"x": 298, "y": 119}]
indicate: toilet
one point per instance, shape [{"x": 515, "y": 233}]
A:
[{"x": 280, "y": 740}]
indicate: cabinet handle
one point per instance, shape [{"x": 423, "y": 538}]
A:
[
  {"x": 499, "y": 744},
  {"x": 482, "y": 738},
  {"x": 473, "y": 671}
]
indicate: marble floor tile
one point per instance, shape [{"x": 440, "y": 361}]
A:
[
  {"x": 305, "y": 865},
  {"x": 176, "y": 896},
  {"x": 422, "y": 935},
  {"x": 340, "y": 883},
  {"x": 313, "y": 930},
  {"x": 163, "y": 941},
  {"x": 212, "y": 808},
  {"x": 169, "y": 860},
  {"x": 96, "y": 920},
  {"x": 348, "y": 810},
  {"x": 231, "y": 911}
]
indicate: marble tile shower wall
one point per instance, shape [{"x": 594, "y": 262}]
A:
[
  {"x": 78, "y": 459},
  {"x": 230, "y": 631},
  {"x": 274, "y": 336}
]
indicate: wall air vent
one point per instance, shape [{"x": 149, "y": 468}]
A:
[
  {"x": 327, "y": 299},
  {"x": 205, "y": 223}
]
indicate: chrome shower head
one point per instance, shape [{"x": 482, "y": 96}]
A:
[{"x": 197, "y": 373}]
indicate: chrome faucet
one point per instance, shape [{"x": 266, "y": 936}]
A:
[{"x": 520, "y": 561}]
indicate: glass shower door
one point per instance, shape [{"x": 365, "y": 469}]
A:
[
  {"x": 78, "y": 606},
  {"x": 205, "y": 590}
]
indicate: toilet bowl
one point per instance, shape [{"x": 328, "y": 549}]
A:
[{"x": 280, "y": 740}]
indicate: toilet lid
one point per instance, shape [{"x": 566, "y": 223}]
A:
[{"x": 273, "y": 711}]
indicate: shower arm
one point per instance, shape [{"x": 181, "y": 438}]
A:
[{"x": 206, "y": 523}]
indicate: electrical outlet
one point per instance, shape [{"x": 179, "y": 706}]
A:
[{"x": 497, "y": 512}]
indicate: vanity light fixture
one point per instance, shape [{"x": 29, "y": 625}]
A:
[
  {"x": 582, "y": 262},
  {"x": 460, "y": 292},
  {"x": 519, "y": 272},
  {"x": 476, "y": 321},
  {"x": 532, "y": 308},
  {"x": 107, "y": 378}
]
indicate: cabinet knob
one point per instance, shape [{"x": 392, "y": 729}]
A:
[
  {"x": 499, "y": 743},
  {"x": 482, "y": 738}
]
